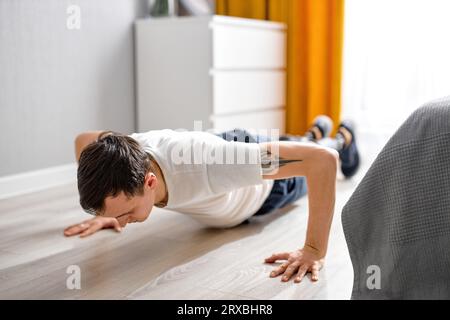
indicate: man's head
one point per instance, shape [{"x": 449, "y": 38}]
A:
[{"x": 116, "y": 179}]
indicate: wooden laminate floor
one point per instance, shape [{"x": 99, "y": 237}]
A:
[{"x": 168, "y": 257}]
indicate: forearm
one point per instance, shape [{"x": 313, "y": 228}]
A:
[
  {"x": 319, "y": 166},
  {"x": 321, "y": 181}
]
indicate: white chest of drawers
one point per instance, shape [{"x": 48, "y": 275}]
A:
[{"x": 225, "y": 72}]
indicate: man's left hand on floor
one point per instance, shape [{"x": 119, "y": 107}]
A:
[{"x": 298, "y": 263}]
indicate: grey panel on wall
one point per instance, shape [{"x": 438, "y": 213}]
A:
[{"x": 56, "y": 82}]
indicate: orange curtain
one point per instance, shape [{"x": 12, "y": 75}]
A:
[{"x": 315, "y": 38}]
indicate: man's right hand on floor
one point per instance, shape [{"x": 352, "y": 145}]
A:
[{"x": 91, "y": 226}]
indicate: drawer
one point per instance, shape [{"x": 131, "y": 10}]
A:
[
  {"x": 244, "y": 91},
  {"x": 236, "y": 47},
  {"x": 263, "y": 121}
]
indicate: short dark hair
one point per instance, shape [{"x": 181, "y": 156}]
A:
[{"x": 108, "y": 166}]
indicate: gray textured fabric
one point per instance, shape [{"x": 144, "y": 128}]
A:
[{"x": 398, "y": 218}]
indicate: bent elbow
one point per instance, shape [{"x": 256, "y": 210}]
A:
[
  {"x": 334, "y": 155},
  {"x": 332, "y": 158},
  {"x": 326, "y": 161},
  {"x": 81, "y": 140},
  {"x": 78, "y": 139}
]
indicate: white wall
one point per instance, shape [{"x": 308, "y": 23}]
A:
[{"x": 55, "y": 83}]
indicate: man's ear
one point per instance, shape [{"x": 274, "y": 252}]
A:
[{"x": 151, "y": 180}]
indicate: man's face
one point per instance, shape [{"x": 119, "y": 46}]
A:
[{"x": 135, "y": 209}]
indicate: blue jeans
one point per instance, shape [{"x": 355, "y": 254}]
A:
[{"x": 284, "y": 191}]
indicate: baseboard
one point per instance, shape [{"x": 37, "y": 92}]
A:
[{"x": 27, "y": 182}]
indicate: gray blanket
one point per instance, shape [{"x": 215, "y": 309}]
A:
[{"x": 397, "y": 222}]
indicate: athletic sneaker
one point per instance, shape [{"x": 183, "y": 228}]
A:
[
  {"x": 349, "y": 154},
  {"x": 322, "y": 123}
]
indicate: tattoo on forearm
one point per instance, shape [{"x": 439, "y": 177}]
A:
[{"x": 271, "y": 162}]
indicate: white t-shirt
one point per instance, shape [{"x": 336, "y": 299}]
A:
[{"x": 216, "y": 182}]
